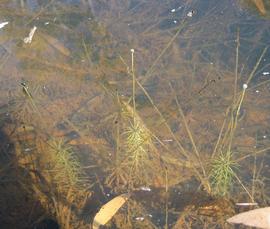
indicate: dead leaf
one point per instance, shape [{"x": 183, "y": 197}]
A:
[
  {"x": 259, "y": 218},
  {"x": 108, "y": 210}
]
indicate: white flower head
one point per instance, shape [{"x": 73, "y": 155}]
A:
[
  {"x": 245, "y": 86},
  {"x": 132, "y": 50}
]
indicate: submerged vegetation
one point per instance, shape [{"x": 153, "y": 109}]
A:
[
  {"x": 63, "y": 166},
  {"x": 179, "y": 123},
  {"x": 222, "y": 173}
]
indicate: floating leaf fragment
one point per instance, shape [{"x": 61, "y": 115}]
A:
[
  {"x": 28, "y": 39},
  {"x": 259, "y": 218},
  {"x": 3, "y": 24},
  {"x": 108, "y": 210}
]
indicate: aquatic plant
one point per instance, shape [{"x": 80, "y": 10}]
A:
[
  {"x": 138, "y": 141},
  {"x": 65, "y": 179},
  {"x": 223, "y": 166},
  {"x": 136, "y": 138},
  {"x": 134, "y": 142},
  {"x": 222, "y": 173},
  {"x": 65, "y": 168}
]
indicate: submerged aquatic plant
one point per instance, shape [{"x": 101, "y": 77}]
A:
[
  {"x": 137, "y": 137},
  {"x": 65, "y": 168},
  {"x": 138, "y": 143},
  {"x": 222, "y": 173},
  {"x": 67, "y": 182}
]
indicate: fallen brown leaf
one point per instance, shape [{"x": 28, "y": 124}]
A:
[{"x": 108, "y": 210}]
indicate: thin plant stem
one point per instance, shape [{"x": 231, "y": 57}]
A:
[
  {"x": 117, "y": 145},
  {"x": 243, "y": 186},
  {"x": 151, "y": 69},
  {"x": 258, "y": 85},
  {"x": 234, "y": 119},
  {"x": 124, "y": 62},
  {"x": 239, "y": 106},
  {"x": 256, "y": 65},
  {"x": 165, "y": 122},
  {"x": 254, "y": 176},
  {"x": 219, "y": 136},
  {"x": 183, "y": 151},
  {"x": 236, "y": 66},
  {"x": 167, "y": 195},
  {"x": 227, "y": 133},
  {"x": 86, "y": 51},
  {"x": 133, "y": 84},
  {"x": 253, "y": 154},
  {"x": 189, "y": 132}
]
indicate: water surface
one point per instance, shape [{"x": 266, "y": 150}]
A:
[{"x": 70, "y": 139}]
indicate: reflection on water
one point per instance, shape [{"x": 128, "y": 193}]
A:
[{"x": 144, "y": 97}]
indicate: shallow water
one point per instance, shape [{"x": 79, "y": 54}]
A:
[{"x": 70, "y": 89}]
